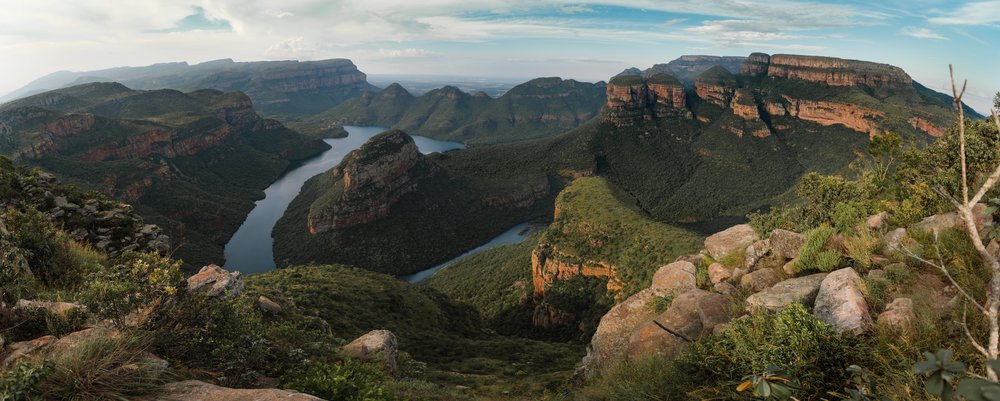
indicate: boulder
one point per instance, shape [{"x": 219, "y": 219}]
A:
[
  {"x": 670, "y": 332},
  {"x": 193, "y": 390},
  {"x": 214, "y": 281},
  {"x": 718, "y": 273},
  {"x": 693, "y": 259},
  {"x": 56, "y": 308},
  {"x": 943, "y": 221},
  {"x": 732, "y": 239},
  {"x": 379, "y": 344},
  {"x": 789, "y": 268},
  {"x": 759, "y": 280},
  {"x": 795, "y": 290},
  {"x": 23, "y": 349},
  {"x": 609, "y": 344},
  {"x": 755, "y": 252},
  {"x": 675, "y": 277},
  {"x": 841, "y": 303},
  {"x": 786, "y": 243},
  {"x": 724, "y": 288},
  {"x": 894, "y": 238},
  {"x": 268, "y": 305},
  {"x": 898, "y": 315},
  {"x": 713, "y": 309},
  {"x": 877, "y": 221}
]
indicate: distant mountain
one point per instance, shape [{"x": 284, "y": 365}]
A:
[
  {"x": 537, "y": 108},
  {"x": 286, "y": 88},
  {"x": 688, "y": 68},
  {"x": 192, "y": 163},
  {"x": 729, "y": 144}
]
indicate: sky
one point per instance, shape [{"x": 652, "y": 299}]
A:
[{"x": 588, "y": 41}]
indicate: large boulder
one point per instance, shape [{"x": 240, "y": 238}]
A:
[
  {"x": 893, "y": 239},
  {"x": 193, "y": 390},
  {"x": 55, "y": 308},
  {"x": 755, "y": 252},
  {"x": 214, "y": 281},
  {"x": 675, "y": 277},
  {"x": 609, "y": 344},
  {"x": 786, "y": 243},
  {"x": 759, "y": 280},
  {"x": 24, "y": 349},
  {"x": 795, "y": 290},
  {"x": 670, "y": 332},
  {"x": 898, "y": 315},
  {"x": 841, "y": 303},
  {"x": 943, "y": 221},
  {"x": 730, "y": 240},
  {"x": 378, "y": 345},
  {"x": 718, "y": 273},
  {"x": 714, "y": 310}
]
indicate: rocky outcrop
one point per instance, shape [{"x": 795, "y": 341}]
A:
[
  {"x": 548, "y": 265},
  {"x": 733, "y": 239},
  {"x": 786, "y": 243},
  {"x": 548, "y": 316},
  {"x": 857, "y": 118},
  {"x": 609, "y": 344},
  {"x": 939, "y": 222},
  {"x": 759, "y": 280},
  {"x": 369, "y": 181},
  {"x": 828, "y": 70},
  {"x": 675, "y": 278},
  {"x": 801, "y": 290},
  {"x": 926, "y": 126},
  {"x": 380, "y": 345},
  {"x": 631, "y": 99},
  {"x": 71, "y": 124},
  {"x": 841, "y": 303},
  {"x": 201, "y": 391},
  {"x": 214, "y": 281}
]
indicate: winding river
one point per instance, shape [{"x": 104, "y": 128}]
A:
[{"x": 250, "y": 248}]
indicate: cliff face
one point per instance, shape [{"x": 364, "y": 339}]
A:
[
  {"x": 548, "y": 264},
  {"x": 370, "y": 180},
  {"x": 632, "y": 97},
  {"x": 829, "y": 70},
  {"x": 857, "y": 118}
]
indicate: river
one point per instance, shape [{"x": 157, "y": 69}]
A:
[{"x": 250, "y": 248}]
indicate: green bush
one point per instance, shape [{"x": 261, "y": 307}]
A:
[
  {"x": 20, "y": 382},
  {"x": 103, "y": 367},
  {"x": 814, "y": 256},
  {"x": 349, "y": 381},
  {"x": 136, "y": 281}
]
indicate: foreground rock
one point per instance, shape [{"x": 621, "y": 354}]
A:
[
  {"x": 841, "y": 303},
  {"x": 380, "y": 345},
  {"x": 898, "y": 315},
  {"x": 56, "y": 308},
  {"x": 732, "y": 239},
  {"x": 786, "y": 243},
  {"x": 759, "y": 280},
  {"x": 610, "y": 342},
  {"x": 675, "y": 277},
  {"x": 214, "y": 281},
  {"x": 23, "y": 349},
  {"x": 193, "y": 390},
  {"x": 801, "y": 290}
]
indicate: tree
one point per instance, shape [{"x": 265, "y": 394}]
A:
[
  {"x": 996, "y": 101},
  {"x": 964, "y": 206}
]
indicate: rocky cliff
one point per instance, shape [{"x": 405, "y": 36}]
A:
[
  {"x": 370, "y": 181},
  {"x": 631, "y": 97},
  {"x": 829, "y": 70}
]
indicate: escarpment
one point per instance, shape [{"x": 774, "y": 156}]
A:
[
  {"x": 633, "y": 97},
  {"x": 828, "y": 70},
  {"x": 370, "y": 181}
]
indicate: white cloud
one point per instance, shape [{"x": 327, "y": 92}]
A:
[
  {"x": 409, "y": 52},
  {"x": 279, "y": 14},
  {"x": 290, "y": 48},
  {"x": 674, "y": 21},
  {"x": 922, "y": 33},
  {"x": 576, "y": 9},
  {"x": 974, "y": 13}
]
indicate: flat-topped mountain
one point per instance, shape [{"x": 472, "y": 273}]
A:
[
  {"x": 192, "y": 163},
  {"x": 289, "y": 88},
  {"x": 688, "y": 68},
  {"x": 829, "y": 70},
  {"x": 537, "y": 108}
]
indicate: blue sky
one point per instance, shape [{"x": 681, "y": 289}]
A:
[{"x": 502, "y": 38}]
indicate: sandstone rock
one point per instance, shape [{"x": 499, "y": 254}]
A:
[
  {"x": 547, "y": 316},
  {"x": 214, "y": 281},
  {"x": 57, "y": 308},
  {"x": 675, "y": 277},
  {"x": 193, "y": 390},
  {"x": 380, "y": 344},
  {"x": 724, "y": 288},
  {"x": 755, "y": 252},
  {"x": 609, "y": 344},
  {"x": 829, "y": 70},
  {"x": 19, "y": 350},
  {"x": 268, "y": 305},
  {"x": 795, "y": 290},
  {"x": 693, "y": 259},
  {"x": 733, "y": 239},
  {"x": 898, "y": 315},
  {"x": 943, "y": 221},
  {"x": 718, "y": 273},
  {"x": 789, "y": 268},
  {"x": 713, "y": 309},
  {"x": 671, "y": 331},
  {"x": 841, "y": 303},
  {"x": 877, "y": 221},
  {"x": 759, "y": 280},
  {"x": 894, "y": 238}
]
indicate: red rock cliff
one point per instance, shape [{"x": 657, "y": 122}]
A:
[{"x": 829, "y": 70}]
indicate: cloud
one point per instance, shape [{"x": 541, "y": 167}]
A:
[
  {"x": 404, "y": 53},
  {"x": 290, "y": 48},
  {"x": 922, "y": 33},
  {"x": 279, "y": 14},
  {"x": 674, "y": 21},
  {"x": 974, "y": 13},
  {"x": 576, "y": 9}
]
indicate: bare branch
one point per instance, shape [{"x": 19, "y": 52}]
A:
[
  {"x": 975, "y": 344},
  {"x": 957, "y": 97},
  {"x": 944, "y": 194},
  {"x": 947, "y": 275}
]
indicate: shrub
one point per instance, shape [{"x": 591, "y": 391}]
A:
[
  {"x": 861, "y": 246},
  {"x": 661, "y": 303},
  {"x": 135, "y": 282},
  {"x": 20, "y": 382},
  {"x": 848, "y": 215},
  {"x": 814, "y": 256},
  {"x": 349, "y": 381}
]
